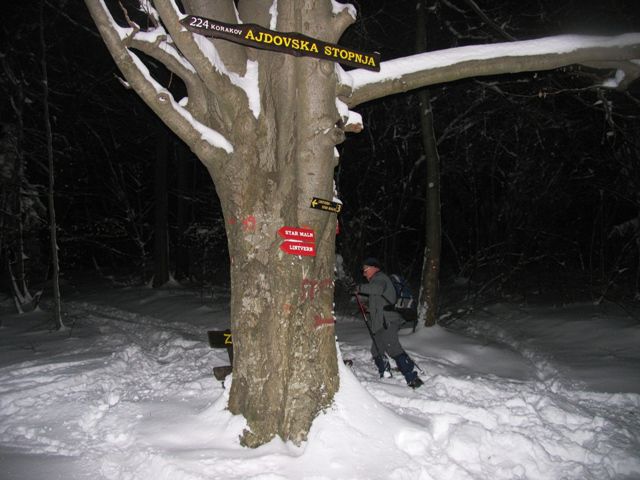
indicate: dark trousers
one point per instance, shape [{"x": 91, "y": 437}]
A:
[{"x": 386, "y": 339}]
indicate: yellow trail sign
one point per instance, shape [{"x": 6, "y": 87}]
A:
[
  {"x": 291, "y": 43},
  {"x": 326, "y": 205}
]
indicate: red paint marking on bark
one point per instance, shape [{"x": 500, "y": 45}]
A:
[
  {"x": 310, "y": 288},
  {"x": 249, "y": 224},
  {"x": 321, "y": 322}
]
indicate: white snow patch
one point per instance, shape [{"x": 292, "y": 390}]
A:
[
  {"x": 273, "y": 12},
  {"x": 511, "y": 392},
  {"x": 338, "y": 7},
  {"x": 615, "y": 81},
  {"x": 248, "y": 83},
  {"x": 349, "y": 117}
]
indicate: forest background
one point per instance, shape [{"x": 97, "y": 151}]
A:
[{"x": 539, "y": 171}]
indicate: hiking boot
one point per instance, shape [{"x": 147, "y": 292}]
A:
[{"x": 415, "y": 383}]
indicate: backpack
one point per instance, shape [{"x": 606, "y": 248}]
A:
[{"x": 405, "y": 304}]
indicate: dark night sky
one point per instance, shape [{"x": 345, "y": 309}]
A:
[{"x": 537, "y": 169}]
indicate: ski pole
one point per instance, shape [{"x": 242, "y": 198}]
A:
[
  {"x": 364, "y": 316},
  {"x": 366, "y": 322}
]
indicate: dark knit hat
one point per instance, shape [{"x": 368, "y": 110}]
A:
[{"x": 372, "y": 262}]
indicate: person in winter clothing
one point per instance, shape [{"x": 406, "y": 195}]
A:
[{"x": 385, "y": 322}]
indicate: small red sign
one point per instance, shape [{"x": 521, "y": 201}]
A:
[
  {"x": 295, "y": 233},
  {"x": 299, "y": 248}
]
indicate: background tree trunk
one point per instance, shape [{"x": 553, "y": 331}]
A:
[
  {"x": 55, "y": 263},
  {"x": 181, "y": 253},
  {"x": 429, "y": 284},
  {"x": 12, "y": 241},
  {"x": 161, "y": 195}
]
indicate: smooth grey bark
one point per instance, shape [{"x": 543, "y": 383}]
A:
[{"x": 622, "y": 58}]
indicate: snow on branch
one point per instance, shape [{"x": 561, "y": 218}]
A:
[
  {"x": 204, "y": 56},
  {"x": 345, "y": 14},
  {"x": 351, "y": 121},
  {"x": 346, "y": 8},
  {"x": 248, "y": 82},
  {"x": 154, "y": 43},
  {"x": 155, "y": 95},
  {"x": 616, "y": 80},
  {"x": 163, "y": 96},
  {"x": 625, "y": 74},
  {"x": 441, "y": 66}
]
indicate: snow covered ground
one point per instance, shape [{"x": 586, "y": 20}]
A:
[{"x": 511, "y": 392}]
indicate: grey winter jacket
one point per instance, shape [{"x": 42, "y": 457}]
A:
[{"x": 381, "y": 292}]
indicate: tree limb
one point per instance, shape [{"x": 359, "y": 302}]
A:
[
  {"x": 154, "y": 43},
  {"x": 345, "y": 17},
  {"x": 209, "y": 65},
  {"x": 207, "y": 143},
  {"x": 630, "y": 72},
  {"x": 407, "y": 73},
  {"x": 485, "y": 18},
  {"x": 233, "y": 56},
  {"x": 168, "y": 55}
]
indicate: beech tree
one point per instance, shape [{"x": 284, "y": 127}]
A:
[{"x": 265, "y": 125}]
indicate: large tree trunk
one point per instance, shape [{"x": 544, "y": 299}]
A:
[
  {"x": 281, "y": 304},
  {"x": 285, "y": 368},
  {"x": 267, "y": 162}
]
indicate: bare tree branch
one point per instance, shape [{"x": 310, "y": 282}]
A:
[
  {"x": 501, "y": 31},
  {"x": 208, "y": 143},
  {"x": 343, "y": 19},
  {"x": 167, "y": 54},
  {"x": 233, "y": 56},
  {"x": 194, "y": 46},
  {"x": 627, "y": 73},
  {"x": 431, "y": 68},
  {"x": 204, "y": 57}
]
